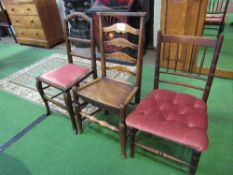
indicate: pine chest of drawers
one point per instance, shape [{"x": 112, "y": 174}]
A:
[{"x": 36, "y": 22}]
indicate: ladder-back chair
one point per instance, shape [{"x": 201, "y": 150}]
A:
[
  {"x": 71, "y": 74},
  {"x": 177, "y": 117},
  {"x": 109, "y": 93},
  {"x": 216, "y": 15}
]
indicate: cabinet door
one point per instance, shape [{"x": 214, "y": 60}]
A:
[{"x": 182, "y": 17}]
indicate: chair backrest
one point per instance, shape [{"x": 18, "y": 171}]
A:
[
  {"x": 217, "y": 7},
  {"x": 121, "y": 42},
  {"x": 204, "y": 53},
  {"x": 71, "y": 53}
]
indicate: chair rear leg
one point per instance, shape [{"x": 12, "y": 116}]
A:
[
  {"x": 194, "y": 162},
  {"x": 132, "y": 133},
  {"x": 122, "y": 127},
  {"x": 42, "y": 94},
  {"x": 69, "y": 107}
]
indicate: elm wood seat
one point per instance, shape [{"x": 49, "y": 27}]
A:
[
  {"x": 177, "y": 117},
  {"x": 65, "y": 77},
  {"x": 216, "y": 15},
  {"x": 109, "y": 93}
]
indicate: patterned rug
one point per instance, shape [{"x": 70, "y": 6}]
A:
[{"x": 23, "y": 83}]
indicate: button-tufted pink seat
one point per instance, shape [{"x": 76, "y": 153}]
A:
[
  {"x": 65, "y": 76},
  {"x": 178, "y": 117}
]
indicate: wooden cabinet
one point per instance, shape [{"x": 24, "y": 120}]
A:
[
  {"x": 36, "y": 22},
  {"x": 182, "y": 17}
]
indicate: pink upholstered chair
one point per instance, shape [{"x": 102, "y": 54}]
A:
[
  {"x": 216, "y": 15},
  {"x": 65, "y": 77},
  {"x": 178, "y": 117}
]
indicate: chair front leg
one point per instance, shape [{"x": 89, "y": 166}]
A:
[
  {"x": 132, "y": 133},
  {"x": 77, "y": 109},
  {"x": 42, "y": 94},
  {"x": 122, "y": 128},
  {"x": 69, "y": 107},
  {"x": 194, "y": 162}
]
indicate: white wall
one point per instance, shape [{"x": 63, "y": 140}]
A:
[{"x": 157, "y": 12}]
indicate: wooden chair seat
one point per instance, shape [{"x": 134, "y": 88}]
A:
[
  {"x": 106, "y": 91},
  {"x": 180, "y": 118},
  {"x": 65, "y": 76}
]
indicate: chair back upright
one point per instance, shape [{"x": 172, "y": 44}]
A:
[
  {"x": 71, "y": 53},
  {"x": 204, "y": 53},
  {"x": 122, "y": 42}
]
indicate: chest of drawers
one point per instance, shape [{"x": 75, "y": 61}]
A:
[{"x": 36, "y": 22}]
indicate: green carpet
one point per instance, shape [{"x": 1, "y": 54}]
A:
[
  {"x": 16, "y": 114},
  {"x": 14, "y": 57},
  {"x": 52, "y": 147}
]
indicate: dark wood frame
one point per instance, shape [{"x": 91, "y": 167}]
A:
[
  {"x": 199, "y": 41},
  {"x": 66, "y": 91},
  {"x": 121, "y": 109}
]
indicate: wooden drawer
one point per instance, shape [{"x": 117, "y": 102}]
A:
[
  {"x": 22, "y": 9},
  {"x": 37, "y": 34},
  {"x": 26, "y": 21}
]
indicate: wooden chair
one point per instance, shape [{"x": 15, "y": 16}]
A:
[
  {"x": 70, "y": 74},
  {"x": 5, "y": 21},
  {"x": 178, "y": 117},
  {"x": 216, "y": 15},
  {"x": 109, "y": 93}
]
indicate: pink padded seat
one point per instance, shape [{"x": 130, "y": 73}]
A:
[
  {"x": 65, "y": 76},
  {"x": 177, "y": 117}
]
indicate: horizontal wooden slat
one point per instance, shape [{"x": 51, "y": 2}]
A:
[
  {"x": 100, "y": 122},
  {"x": 119, "y": 56},
  {"x": 121, "y": 42},
  {"x": 184, "y": 75},
  {"x": 121, "y": 27},
  {"x": 122, "y": 14},
  {"x": 121, "y": 69},
  {"x": 162, "y": 154},
  {"x": 182, "y": 84},
  {"x": 87, "y": 41},
  {"x": 78, "y": 55},
  {"x": 190, "y": 40}
]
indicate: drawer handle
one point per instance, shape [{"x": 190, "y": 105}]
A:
[
  {"x": 32, "y": 21},
  {"x": 37, "y": 34},
  {"x": 17, "y": 21},
  {"x": 28, "y": 9},
  {"x": 12, "y": 9}
]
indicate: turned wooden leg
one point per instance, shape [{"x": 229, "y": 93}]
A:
[
  {"x": 194, "y": 162},
  {"x": 132, "y": 133},
  {"x": 137, "y": 96},
  {"x": 42, "y": 94},
  {"x": 77, "y": 113},
  {"x": 69, "y": 107},
  {"x": 122, "y": 127}
]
